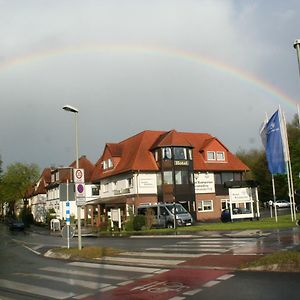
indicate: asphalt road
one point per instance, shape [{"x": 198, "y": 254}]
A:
[{"x": 202, "y": 275}]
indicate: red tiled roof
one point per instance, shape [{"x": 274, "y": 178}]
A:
[
  {"x": 172, "y": 138},
  {"x": 135, "y": 153}
]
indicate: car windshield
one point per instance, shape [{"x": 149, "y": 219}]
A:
[{"x": 179, "y": 209}]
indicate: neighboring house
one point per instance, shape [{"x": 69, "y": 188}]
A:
[
  {"x": 62, "y": 181},
  {"x": 160, "y": 166},
  {"x": 38, "y": 197}
]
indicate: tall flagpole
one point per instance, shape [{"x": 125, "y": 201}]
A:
[{"x": 288, "y": 164}]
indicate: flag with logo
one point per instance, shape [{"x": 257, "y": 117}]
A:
[{"x": 272, "y": 138}]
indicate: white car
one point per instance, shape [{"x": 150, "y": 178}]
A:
[{"x": 281, "y": 204}]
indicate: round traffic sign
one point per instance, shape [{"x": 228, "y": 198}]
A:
[
  {"x": 64, "y": 231},
  {"x": 78, "y": 174},
  {"x": 80, "y": 188}
]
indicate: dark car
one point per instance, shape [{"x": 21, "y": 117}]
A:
[
  {"x": 225, "y": 216},
  {"x": 16, "y": 225}
]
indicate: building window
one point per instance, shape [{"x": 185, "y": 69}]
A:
[
  {"x": 96, "y": 190},
  {"x": 109, "y": 163},
  {"x": 220, "y": 155},
  {"x": 225, "y": 203},
  {"x": 190, "y": 154},
  {"x": 211, "y": 155},
  {"x": 227, "y": 176},
  {"x": 182, "y": 177},
  {"x": 104, "y": 165},
  {"x": 205, "y": 205},
  {"x": 105, "y": 187},
  {"x": 129, "y": 182},
  {"x": 168, "y": 177},
  {"x": 158, "y": 179},
  {"x": 156, "y": 155},
  {"x": 180, "y": 153},
  {"x": 167, "y": 153}
]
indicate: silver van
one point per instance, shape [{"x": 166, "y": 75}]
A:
[{"x": 163, "y": 214}]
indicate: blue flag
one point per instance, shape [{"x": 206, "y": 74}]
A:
[{"x": 272, "y": 138}]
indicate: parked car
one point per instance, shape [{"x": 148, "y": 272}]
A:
[
  {"x": 225, "y": 216},
  {"x": 281, "y": 204},
  {"x": 163, "y": 214},
  {"x": 16, "y": 225}
]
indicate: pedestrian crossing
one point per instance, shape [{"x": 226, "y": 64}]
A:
[{"x": 79, "y": 279}]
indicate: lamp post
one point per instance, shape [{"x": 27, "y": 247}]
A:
[
  {"x": 297, "y": 47},
  {"x": 74, "y": 110}
]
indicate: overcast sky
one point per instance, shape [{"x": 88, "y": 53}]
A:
[{"x": 128, "y": 66}]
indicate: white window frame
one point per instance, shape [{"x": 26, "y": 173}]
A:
[
  {"x": 213, "y": 153},
  {"x": 201, "y": 206},
  {"x": 220, "y": 155},
  {"x": 110, "y": 163},
  {"x": 105, "y": 187}
]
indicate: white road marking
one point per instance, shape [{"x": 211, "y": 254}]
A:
[
  {"x": 192, "y": 292},
  {"x": 153, "y": 262},
  {"x": 70, "y": 281},
  {"x": 114, "y": 267},
  {"x": 82, "y": 273},
  {"x": 125, "y": 282},
  {"x": 108, "y": 288},
  {"x": 225, "y": 277},
  {"x": 32, "y": 250},
  {"x": 159, "y": 254},
  {"x": 173, "y": 249},
  {"x": 34, "y": 289},
  {"x": 211, "y": 283}
]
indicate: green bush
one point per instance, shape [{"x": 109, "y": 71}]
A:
[
  {"x": 50, "y": 215},
  {"x": 139, "y": 222},
  {"x": 128, "y": 226}
]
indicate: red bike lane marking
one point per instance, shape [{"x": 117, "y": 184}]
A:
[
  {"x": 224, "y": 261},
  {"x": 162, "y": 286}
]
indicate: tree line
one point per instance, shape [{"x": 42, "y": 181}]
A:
[{"x": 14, "y": 183}]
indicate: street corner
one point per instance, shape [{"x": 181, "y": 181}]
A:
[{"x": 166, "y": 285}]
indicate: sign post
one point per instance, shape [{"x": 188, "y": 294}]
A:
[
  {"x": 80, "y": 197},
  {"x": 68, "y": 216}
]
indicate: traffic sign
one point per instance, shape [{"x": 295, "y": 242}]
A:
[
  {"x": 80, "y": 201},
  {"x": 64, "y": 231},
  {"x": 79, "y": 175},
  {"x": 80, "y": 190}
]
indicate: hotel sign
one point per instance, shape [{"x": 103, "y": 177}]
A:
[
  {"x": 240, "y": 195},
  {"x": 204, "y": 183},
  {"x": 181, "y": 162}
]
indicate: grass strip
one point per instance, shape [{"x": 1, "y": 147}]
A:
[
  {"x": 278, "y": 261},
  {"x": 89, "y": 252}
]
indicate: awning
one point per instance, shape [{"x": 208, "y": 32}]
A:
[{"x": 109, "y": 200}]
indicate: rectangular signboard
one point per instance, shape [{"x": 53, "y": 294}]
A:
[{"x": 204, "y": 183}]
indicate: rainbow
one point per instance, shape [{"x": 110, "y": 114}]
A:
[{"x": 177, "y": 54}]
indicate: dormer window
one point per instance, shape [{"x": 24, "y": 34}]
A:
[
  {"x": 110, "y": 163},
  {"x": 220, "y": 155},
  {"x": 211, "y": 155},
  {"x": 107, "y": 164}
]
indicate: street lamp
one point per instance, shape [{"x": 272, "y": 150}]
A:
[
  {"x": 74, "y": 110},
  {"x": 297, "y": 47}
]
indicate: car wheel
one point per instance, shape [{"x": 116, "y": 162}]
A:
[{"x": 170, "y": 225}]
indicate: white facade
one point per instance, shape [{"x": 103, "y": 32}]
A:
[
  {"x": 138, "y": 183},
  {"x": 38, "y": 207}
]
